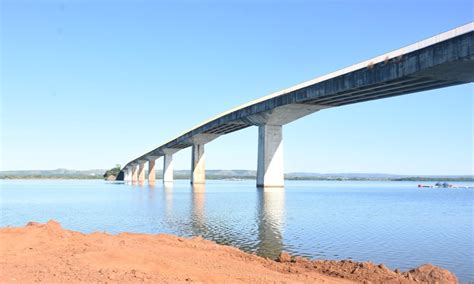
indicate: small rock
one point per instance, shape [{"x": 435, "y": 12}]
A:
[
  {"x": 300, "y": 259},
  {"x": 284, "y": 257},
  {"x": 381, "y": 266}
]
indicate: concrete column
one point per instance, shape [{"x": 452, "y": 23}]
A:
[
  {"x": 198, "y": 167},
  {"x": 134, "y": 174},
  {"x": 168, "y": 168},
  {"x": 127, "y": 175},
  {"x": 151, "y": 171},
  {"x": 141, "y": 171},
  {"x": 270, "y": 156}
]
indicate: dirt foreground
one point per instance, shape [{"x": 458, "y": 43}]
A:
[{"x": 49, "y": 253}]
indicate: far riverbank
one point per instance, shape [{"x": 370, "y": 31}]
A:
[{"x": 234, "y": 175}]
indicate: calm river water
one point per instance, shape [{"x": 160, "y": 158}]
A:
[{"x": 394, "y": 223}]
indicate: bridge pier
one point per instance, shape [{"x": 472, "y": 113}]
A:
[
  {"x": 151, "y": 171},
  {"x": 134, "y": 174},
  {"x": 128, "y": 175},
  {"x": 125, "y": 174},
  {"x": 198, "y": 164},
  {"x": 270, "y": 172},
  {"x": 141, "y": 171},
  {"x": 168, "y": 168},
  {"x": 168, "y": 164}
]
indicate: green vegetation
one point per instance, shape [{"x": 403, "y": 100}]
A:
[{"x": 113, "y": 172}]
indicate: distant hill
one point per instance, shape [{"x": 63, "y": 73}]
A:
[
  {"x": 58, "y": 173},
  {"x": 233, "y": 174},
  {"x": 376, "y": 176}
]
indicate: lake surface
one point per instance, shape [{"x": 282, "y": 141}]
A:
[{"x": 394, "y": 223}]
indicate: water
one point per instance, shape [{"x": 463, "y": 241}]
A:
[{"x": 394, "y": 223}]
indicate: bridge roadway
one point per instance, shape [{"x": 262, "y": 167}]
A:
[{"x": 441, "y": 61}]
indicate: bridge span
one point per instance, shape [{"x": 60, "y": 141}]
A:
[{"x": 444, "y": 60}]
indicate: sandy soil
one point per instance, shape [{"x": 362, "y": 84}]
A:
[{"x": 48, "y": 253}]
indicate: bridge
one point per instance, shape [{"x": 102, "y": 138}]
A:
[{"x": 444, "y": 60}]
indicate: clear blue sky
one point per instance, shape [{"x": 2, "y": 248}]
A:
[{"x": 88, "y": 84}]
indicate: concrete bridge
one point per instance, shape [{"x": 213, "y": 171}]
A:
[{"x": 441, "y": 61}]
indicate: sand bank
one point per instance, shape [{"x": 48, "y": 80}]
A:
[{"x": 49, "y": 253}]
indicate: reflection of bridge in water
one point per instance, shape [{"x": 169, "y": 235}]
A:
[
  {"x": 269, "y": 217},
  {"x": 198, "y": 210},
  {"x": 271, "y": 211},
  {"x": 441, "y": 61}
]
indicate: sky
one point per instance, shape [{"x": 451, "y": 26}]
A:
[{"x": 91, "y": 84}]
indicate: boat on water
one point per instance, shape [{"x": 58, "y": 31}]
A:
[{"x": 444, "y": 185}]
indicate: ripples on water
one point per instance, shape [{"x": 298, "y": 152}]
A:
[{"x": 394, "y": 223}]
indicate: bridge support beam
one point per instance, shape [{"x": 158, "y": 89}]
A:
[
  {"x": 168, "y": 164},
  {"x": 125, "y": 175},
  {"x": 128, "y": 175},
  {"x": 151, "y": 171},
  {"x": 168, "y": 168},
  {"x": 270, "y": 172},
  {"x": 141, "y": 171},
  {"x": 198, "y": 164},
  {"x": 134, "y": 174}
]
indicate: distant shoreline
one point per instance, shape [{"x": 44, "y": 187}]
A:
[
  {"x": 236, "y": 174},
  {"x": 292, "y": 178}
]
